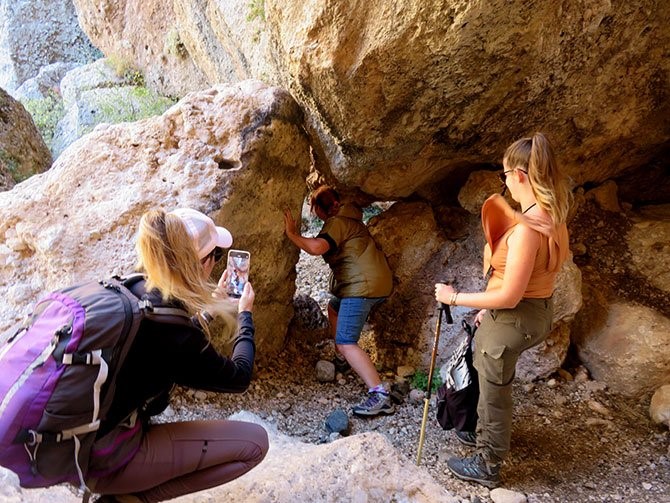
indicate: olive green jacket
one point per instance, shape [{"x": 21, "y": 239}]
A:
[{"x": 359, "y": 268}]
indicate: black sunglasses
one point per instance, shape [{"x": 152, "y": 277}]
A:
[
  {"x": 217, "y": 253},
  {"x": 503, "y": 174}
]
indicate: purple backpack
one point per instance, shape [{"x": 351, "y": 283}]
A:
[{"x": 58, "y": 376}]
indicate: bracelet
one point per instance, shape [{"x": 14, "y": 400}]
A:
[{"x": 452, "y": 300}]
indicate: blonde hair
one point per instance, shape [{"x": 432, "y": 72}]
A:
[
  {"x": 168, "y": 257},
  {"x": 550, "y": 186}
]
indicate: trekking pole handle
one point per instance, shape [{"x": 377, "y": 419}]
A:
[{"x": 445, "y": 308}]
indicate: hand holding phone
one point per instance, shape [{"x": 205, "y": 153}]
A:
[{"x": 238, "y": 272}]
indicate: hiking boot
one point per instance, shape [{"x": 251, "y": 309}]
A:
[
  {"x": 475, "y": 469},
  {"x": 468, "y": 438},
  {"x": 376, "y": 403},
  {"x": 341, "y": 365}
]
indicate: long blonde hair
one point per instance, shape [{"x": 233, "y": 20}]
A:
[
  {"x": 168, "y": 257},
  {"x": 550, "y": 186}
]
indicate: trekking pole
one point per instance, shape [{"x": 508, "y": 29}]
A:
[{"x": 443, "y": 308}]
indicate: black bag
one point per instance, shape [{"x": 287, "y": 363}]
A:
[{"x": 457, "y": 397}]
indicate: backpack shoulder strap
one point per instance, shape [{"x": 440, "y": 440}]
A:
[{"x": 151, "y": 304}]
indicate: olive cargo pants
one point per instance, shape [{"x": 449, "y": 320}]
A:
[{"x": 502, "y": 336}]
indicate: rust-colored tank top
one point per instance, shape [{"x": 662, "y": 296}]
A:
[{"x": 499, "y": 221}]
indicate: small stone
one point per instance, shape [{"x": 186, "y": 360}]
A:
[
  {"x": 416, "y": 396},
  {"x": 405, "y": 371},
  {"x": 647, "y": 486},
  {"x": 552, "y": 383},
  {"x": 565, "y": 375},
  {"x": 200, "y": 395},
  {"x": 529, "y": 387},
  {"x": 338, "y": 422},
  {"x": 325, "y": 371},
  {"x": 501, "y": 495},
  {"x": 599, "y": 408}
]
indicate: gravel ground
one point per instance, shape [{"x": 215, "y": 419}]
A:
[{"x": 572, "y": 440}]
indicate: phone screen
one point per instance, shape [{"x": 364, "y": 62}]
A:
[{"x": 238, "y": 271}]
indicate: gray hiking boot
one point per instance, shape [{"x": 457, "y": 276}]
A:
[
  {"x": 468, "y": 438},
  {"x": 475, "y": 469},
  {"x": 376, "y": 403}
]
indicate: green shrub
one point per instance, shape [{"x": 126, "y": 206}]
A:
[
  {"x": 256, "y": 10},
  {"x": 146, "y": 104},
  {"x": 125, "y": 69},
  {"x": 420, "y": 381},
  {"x": 46, "y": 113}
]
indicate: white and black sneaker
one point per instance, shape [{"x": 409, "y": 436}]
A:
[{"x": 376, "y": 403}]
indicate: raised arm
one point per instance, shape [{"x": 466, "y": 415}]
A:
[{"x": 313, "y": 246}]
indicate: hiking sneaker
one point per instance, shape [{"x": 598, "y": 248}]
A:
[
  {"x": 376, "y": 403},
  {"x": 468, "y": 438},
  {"x": 341, "y": 365},
  {"x": 475, "y": 469}
]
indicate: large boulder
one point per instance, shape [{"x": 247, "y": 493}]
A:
[
  {"x": 34, "y": 34},
  {"x": 399, "y": 97},
  {"x": 237, "y": 153},
  {"x": 359, "y": 468},
  {"x": 649, "y": 240},
  {"x": 23, "y": 152},
  {"x": 628, "y": 349}
]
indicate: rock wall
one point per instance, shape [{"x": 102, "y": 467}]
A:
[
  {"x": 237, "y": 153},
  {"x": 34, "y": 34},
  {"x": 400, "y": 96}
]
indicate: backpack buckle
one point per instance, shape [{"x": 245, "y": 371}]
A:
[{"x": 146, "y": 305}]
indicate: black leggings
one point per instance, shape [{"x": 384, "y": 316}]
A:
[{"x": 182, "y": 458}]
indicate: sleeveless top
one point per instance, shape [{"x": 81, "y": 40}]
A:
[{"x": 499, "y": 221}]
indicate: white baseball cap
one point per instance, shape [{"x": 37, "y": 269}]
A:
[{"x": 206, "y": 236}]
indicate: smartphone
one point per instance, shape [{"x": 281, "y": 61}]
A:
[{"x": 238, "y": 272}]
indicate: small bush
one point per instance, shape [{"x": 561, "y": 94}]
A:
[
  {"x": 420, "y": 381},
  {"x": 46, "y": 113},
  {"x": 256, "y": 10},
  {"x": 126, "y": 70}
]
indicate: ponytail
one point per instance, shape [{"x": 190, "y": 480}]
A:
[{"x": 550, "y": 186}]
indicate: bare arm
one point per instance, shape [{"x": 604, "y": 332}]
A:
[
  {"x": 523, "y": 245},
  {"x": 313, "y": 246}
]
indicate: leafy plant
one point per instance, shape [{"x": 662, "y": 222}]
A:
[
  {"x": 256, "y": 10},
  {"x": 420, "y": 381},
  {"x": 125, "y": 69},
  {"x": 145, "y": 103},
  {"x": 46, "y": 113}
]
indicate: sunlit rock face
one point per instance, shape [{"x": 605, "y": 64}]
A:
[
  {"x": 238, "y": 153},
  {"x": 398, "y": 96}
]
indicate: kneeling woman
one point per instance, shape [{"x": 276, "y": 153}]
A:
[{"x": 177, "y": 251}]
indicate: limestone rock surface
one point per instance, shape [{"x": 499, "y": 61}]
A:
[
  {"x": 363, "y": 467},
  {"x": 628, "y": 349},
  {"x": 22, "y": 150},
  {"x": 237, "y": 153},
  {"x": 400, "y": 96},
  {"x": 34, "y": 34}
]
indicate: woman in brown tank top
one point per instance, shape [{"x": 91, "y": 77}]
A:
[{"x": 523, "y": 254}]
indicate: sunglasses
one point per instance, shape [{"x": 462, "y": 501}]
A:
[
  {"x": 503, "y": 178},
  {"x": 217, "y": 253}
]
